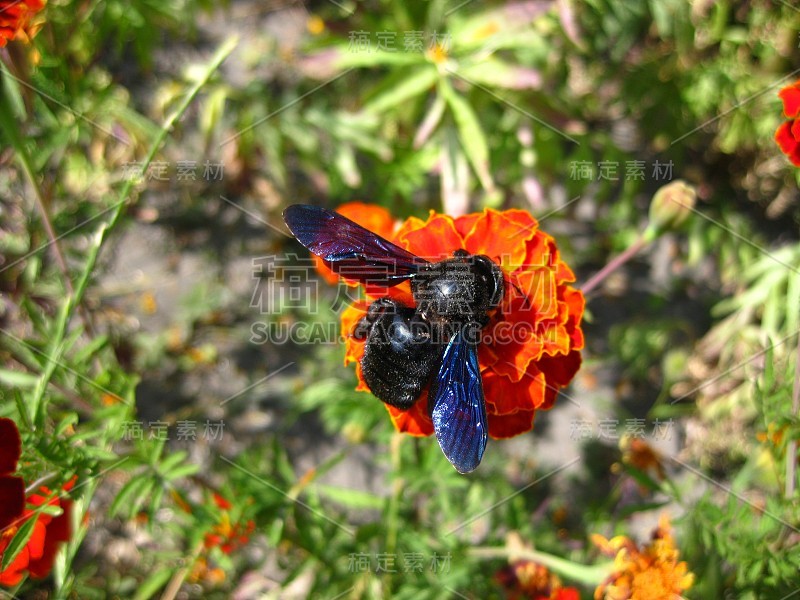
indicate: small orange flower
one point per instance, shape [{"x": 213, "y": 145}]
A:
[
  {"x": 229, "y": 536},
  {"x": 653, "y": 572},
  {"x": 788, "y": 134},
  {"x": 642, "y": 456},
  {"x": 531, "y": 345},
  {"x": 39, "y": 553},
  {"x": 525, "y": 579},
  {"x": 16, "y": 19}
]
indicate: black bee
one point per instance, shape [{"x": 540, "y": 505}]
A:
[{"x": 407, "y": 347}]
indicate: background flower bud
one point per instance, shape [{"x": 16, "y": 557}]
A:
[{"x": 671, "y": 206}]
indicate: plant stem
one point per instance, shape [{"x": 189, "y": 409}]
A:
[
  {"x": 11, "y": 128},
  {"x": 614, "y": 264},
  {"x": 586, "y": 574},
  {"x": 791, "y": 448}
]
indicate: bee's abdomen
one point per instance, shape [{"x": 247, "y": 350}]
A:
[{"x": 399, "y": 357}]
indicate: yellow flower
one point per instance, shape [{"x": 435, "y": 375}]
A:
[
  {"x": 651, "y": 573},
  {"x": 315, "y": 25}
]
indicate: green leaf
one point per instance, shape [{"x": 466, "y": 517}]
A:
[
  {"x": 182, "y": 471},
  {"x": 152, "y": 584},
  {"x": 471, "y": 134},
  {"x": 416, "y": 83},
  {"x": 18, "y": 542},
  {"x": 494, "y": 72},
  {"x": 352, "y": 498},
  {"x": 18, "y": 379},
  {"x": 171, "y": 461},
  {"x": 348, "y": 59},
  {"x": 128, "y": 494}
]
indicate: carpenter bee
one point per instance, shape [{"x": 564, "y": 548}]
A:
[{"x": 407, "y": 347}]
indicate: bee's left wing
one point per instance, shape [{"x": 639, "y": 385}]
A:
[
  {"x": 457, "y": 406},
  {"x": 349, "y": 249}
]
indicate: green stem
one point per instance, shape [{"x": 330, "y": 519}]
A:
[
  {"x": 791, "y": 448},
  {"x": 11, "y": 127},
  {"x": 614, "y": 264},
  {"x": 75, "y": 296},
  {"x": 102, "y": 234},
  {"x": 585, "y": 574}
]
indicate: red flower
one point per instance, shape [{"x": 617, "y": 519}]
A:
[
  {"x": 39, "y": 553},
  {"x": 531, "y": 346},
  {"x": 15, "y": 18},
  {"x": 788, "y": 134},
  {"x": 229, "y": 536}
]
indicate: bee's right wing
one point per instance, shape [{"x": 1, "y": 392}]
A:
[
  {"x": 349, "y": 249},
  {"x": 457, "y": 405}
]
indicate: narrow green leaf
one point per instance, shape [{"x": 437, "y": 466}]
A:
[
  {"x": 416, "y": 83},
  {"x": 153, "y": 584},
  {"x": 18, "y": 379},
  {"x": 171, "y": 461},
  {"x": 471, "y": 134},
  {"x": 348, "y": 59},
  {"x": 182, "y": 471},
  {"x": 351, "y": 498},
  {"x": 127, "y": 493},
  {"x": 17, "y": 542}
]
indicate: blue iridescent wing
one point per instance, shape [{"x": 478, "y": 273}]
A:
[
  {"x": 349, "y": 249},
  {"x": 458, "y": 409}
]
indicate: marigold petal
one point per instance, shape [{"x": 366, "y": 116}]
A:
[
  {"x": 15, "y": 19},
  {"x": 12, "y": 500},
  {"x": 504, "y": 397},
  {"x": 465, "y": 223},
  {"x": 221, "y": 501},
  {"x": 58, "y": 532},
  {"x": 406, "y": 227},
  {"x": 788, "y": 142},
  {"x": 414, "y": 421},
  {"x": 539, "y": 285},
  {"x": 560, "y": 369},
  {"x": 10, "y": 446},
  {"x": 327, "y": 274},
  {"x": 14, "y": 572},
  {"x": 35, "y": 543},
  {"x": 508, "y": 426},
  {"x": 354, "y": 348},
  {"x": 508, "y": 248},
  {"x": 790, "y": 96},
  {"x": 436, "y": 240}
]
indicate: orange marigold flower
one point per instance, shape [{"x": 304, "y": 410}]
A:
[
  {"x": 39, "y": 553},
  {"x": 642, "y": 456},
  {"x": 653, "y": 572},
  {"x": 531, "y": 345},
  {"x": 530, "y": 580},
  {"x": 16, "y": 18},
  {"x": 787, "y": 135}
]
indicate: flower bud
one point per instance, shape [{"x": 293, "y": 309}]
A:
[{"x": 671, "y": 206}]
